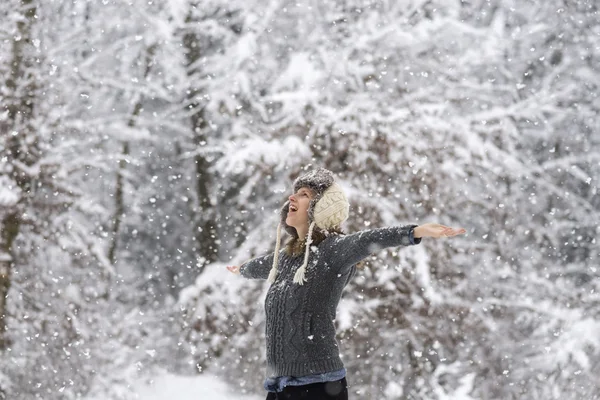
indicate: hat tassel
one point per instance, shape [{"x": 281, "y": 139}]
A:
[
  {"x": 299, "y": 277},
  {"x": 273, "y": 273}
]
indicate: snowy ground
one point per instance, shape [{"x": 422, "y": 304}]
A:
[{"x": 205, "y": 387}]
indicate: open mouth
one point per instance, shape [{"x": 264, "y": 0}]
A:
[{"x": 293, "y": 208}]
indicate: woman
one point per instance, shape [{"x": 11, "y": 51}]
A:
[{"x": 307, "y": 279}]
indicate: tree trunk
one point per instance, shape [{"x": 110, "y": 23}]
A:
[
  {"x": 119, "y": 195},
  {"x": 19, "y": 146},
  {"x": 119, "y": 204},
  {"x": 205, "y": 235},
  {"x": 10, "y": 230},
  {"x": 19, "y": 104}
]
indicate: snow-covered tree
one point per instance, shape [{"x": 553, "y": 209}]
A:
[
  {"x": 146, "y": 145},
  {"x": 47, "y": 254},
  {"x": 65, "y": 305},
  {"x": 430, "y": 111}
]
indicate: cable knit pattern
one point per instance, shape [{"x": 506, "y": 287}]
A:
[
  {"x": 332, "y": 209},
  {"x": 295, "y": 309},
  {"x": 300, "y": 330}
]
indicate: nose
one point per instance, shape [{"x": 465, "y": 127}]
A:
[{"x": 291, "y": 198}]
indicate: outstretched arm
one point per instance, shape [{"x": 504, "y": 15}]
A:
[
  {"x": 348, "y": 250},
  {"x": 257, "y": 268}
]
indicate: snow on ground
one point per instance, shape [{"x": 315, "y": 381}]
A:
[{"x": 202, "y": 387}]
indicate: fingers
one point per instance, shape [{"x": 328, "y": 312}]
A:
[
  {"x": 233, "y": 269},
  {"x": 459, "y": 231},
  {"x": 449, "y": 232}
]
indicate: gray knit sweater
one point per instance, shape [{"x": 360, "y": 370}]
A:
[{"x": 300, "y": 330}]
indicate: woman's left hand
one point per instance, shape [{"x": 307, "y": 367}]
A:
[{"x": 436, "y": 231}]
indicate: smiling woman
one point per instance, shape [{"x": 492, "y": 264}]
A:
[{"x": 303, "y": 359}]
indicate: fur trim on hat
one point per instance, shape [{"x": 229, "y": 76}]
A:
[{"x": 317, "y": 180}]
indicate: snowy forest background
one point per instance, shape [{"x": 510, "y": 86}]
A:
[{"x": 147, "y": 144}]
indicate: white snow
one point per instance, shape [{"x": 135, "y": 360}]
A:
[
  {"x": 9, "y": 192},
  {"x": 301, "y": 73},
  {"x": 579, "y": 342},
  {"x": 170, "y": 387},
  {"x": 256, "y": 149}
]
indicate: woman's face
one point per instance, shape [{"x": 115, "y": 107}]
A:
[{"x": 298, "y": 208}]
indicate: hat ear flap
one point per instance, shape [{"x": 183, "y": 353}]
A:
[
  {"x": 332, "y": 208},
  {"x": 311, "y": 207}
]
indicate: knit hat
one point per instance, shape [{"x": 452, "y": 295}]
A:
[{"x": 327, "y": 210}]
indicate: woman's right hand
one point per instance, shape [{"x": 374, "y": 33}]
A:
[{"x": 234, "y": 269}]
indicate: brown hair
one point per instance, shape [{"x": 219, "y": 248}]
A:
[{"x": 294, "y": 247}]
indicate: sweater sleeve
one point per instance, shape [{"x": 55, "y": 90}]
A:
[
  {"x": 348, "y": 250},
  {"x": 257, "y": 268}
]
